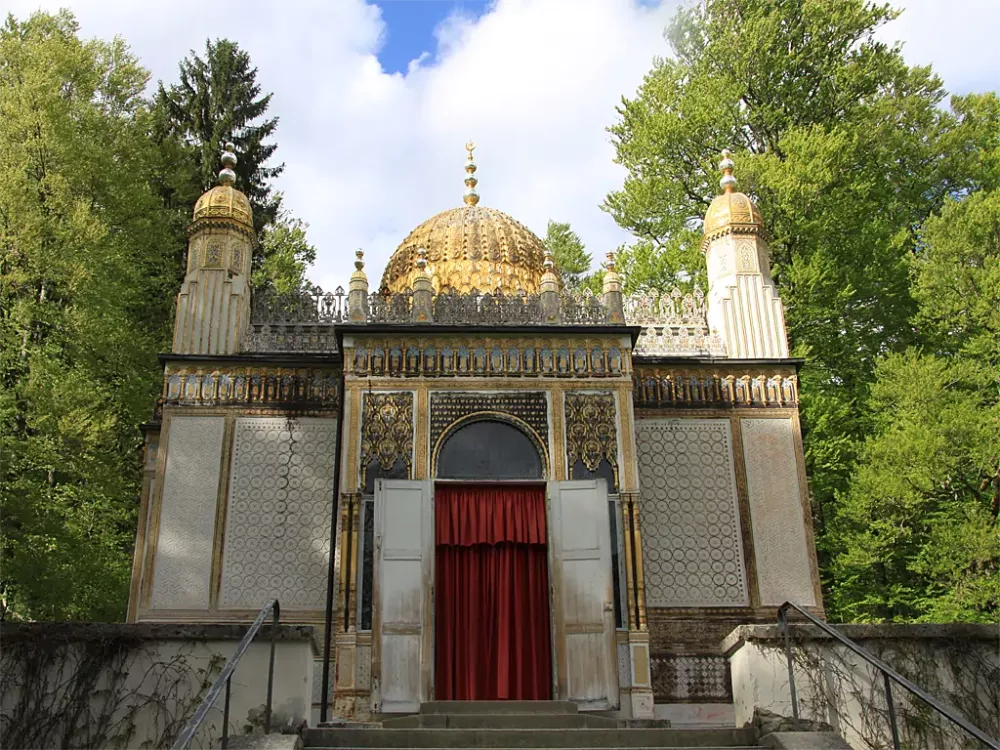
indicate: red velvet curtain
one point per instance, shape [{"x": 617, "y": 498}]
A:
[{"x": 492, "y": 593}]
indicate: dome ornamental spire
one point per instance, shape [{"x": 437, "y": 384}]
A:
[
  {"x": 743, "y": 303},
  {"x": 728, "y": 182},
  {"x": 226, "y": 175},
  {"x": 213, "y": 307},
  {"x": 471, "y": 196}
]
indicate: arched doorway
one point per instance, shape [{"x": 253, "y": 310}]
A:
[
  {"x": 490, "y": 450},
  {"x": 492, "y": 631}
]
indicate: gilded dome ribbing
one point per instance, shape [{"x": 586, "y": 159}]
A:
[{"x": 470, "y": 247}]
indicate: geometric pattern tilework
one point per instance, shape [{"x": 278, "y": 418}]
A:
[
  {"x": 182, "y": 571},
  {"x": 624, "y": 666},
  {"x": 278, "y": 515},
  {"x": 782, "y": 555},
  {"x": 364, "y": 675},
  {"x": 692, "y": 550},
  {"x": 691, "y": 678},
  {"x": 317, "y": 694}
]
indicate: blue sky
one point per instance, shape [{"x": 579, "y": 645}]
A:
[
  {"x": 410, "y": 26},
  {"x": 372, "y": 135}
]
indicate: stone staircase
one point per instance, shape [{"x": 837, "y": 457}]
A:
[{"x": 523, "y": 725}]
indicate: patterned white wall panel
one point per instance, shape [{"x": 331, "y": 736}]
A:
[
  {"x": 278, "y": 518},
  {"x": 779, "y": 535},
  {"x": 183, "y": 567},
  {"x": 692, "y": 549}
]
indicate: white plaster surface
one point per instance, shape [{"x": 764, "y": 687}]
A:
[
  {"x": 779, "y": 535},
  {"x": 692, "y": 549},
  {"x": 835, "y": 685},
  {"x": 168, "y": 670},
  {"x": 280, "y": 500},
  {"x": 183, "y": 564}
]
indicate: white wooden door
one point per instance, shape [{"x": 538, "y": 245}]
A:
[
  {"x": 402, "y": 627},
  {"x": 580, "y": 560}
]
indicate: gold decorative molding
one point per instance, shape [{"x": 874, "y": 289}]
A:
[
  {"x": 591, "y": 431},
  {"x": 387, "y": 431},
  {"x": 678, "y": 387},
  {"x": 459, "y": 356},
  {"x": 219, "y": 385}
]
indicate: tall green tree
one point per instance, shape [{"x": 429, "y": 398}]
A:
[
  {"x": 846, "y": 149},
  {"x": 570, "y": 255},
  {"x": 86, "y": 255},
  {"x": 287, "y": 255},
  {"x": 218, "y": 99},
  {"x": 916, "y": 535}
]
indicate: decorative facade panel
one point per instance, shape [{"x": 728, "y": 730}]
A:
[
  {"x": 489, "y": 357},
  {"x": 387, "y": 431},
  {"x": 591, "y": 432},
  {"x": 779, "y": 534},
  {"x": 281, "y": 497},
  {"x": 691, "y": 678},
  {"x": 222, "y": 385},
  {"x": 182, "y": 570},
  {"x": 692, "y": 549},
  {"x": 666, "y": 387},
  {"x": 531, "y": 407}
]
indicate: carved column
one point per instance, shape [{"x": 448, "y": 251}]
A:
[{"x": 641, "y": 695}]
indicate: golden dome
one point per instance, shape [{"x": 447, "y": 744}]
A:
[
  {"x": 471, "y": 247},
  {"x": 731, "y": 210},
  {"x": 224, "y": 201}
]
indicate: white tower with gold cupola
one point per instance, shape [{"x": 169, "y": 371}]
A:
[
  {"x": 213, "y": 307},
  {"x": 743, "y": 303}
]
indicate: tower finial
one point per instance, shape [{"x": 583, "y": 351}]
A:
[
  {"x": 471, "y": 196},
  {"x": 728, "y": 182},
  {"x": 226, "y": 175}
]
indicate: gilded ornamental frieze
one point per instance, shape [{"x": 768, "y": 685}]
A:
[
  {"x": 529, "y": 407},
  {"x": 223, "y": 385},
  {"x": 488, "y": 357},
  {"x": 665, "y": 387},
  {"x": 387, "y": 431},
  {"x": 591, "y": 434}
]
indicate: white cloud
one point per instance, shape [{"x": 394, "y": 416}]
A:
[{"x": 534, "y": 82}]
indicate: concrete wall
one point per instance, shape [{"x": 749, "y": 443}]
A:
[
  {"x": 957, "y": 664},
  {"x": 76, "y": 685}
]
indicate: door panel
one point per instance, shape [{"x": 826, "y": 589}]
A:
[
  {"x": 404, "y": 537},
  {"x": 584, "y": 593}
]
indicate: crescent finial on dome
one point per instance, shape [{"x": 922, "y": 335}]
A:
[{"x": 471, "y": 196}]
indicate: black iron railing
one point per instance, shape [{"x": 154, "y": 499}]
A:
[
  {"x": 225, "y": 677},
  {"x": 889, "y": 675}
]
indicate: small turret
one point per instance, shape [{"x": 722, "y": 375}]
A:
[
  {"x": 743, "y": 304},
  {"x": 213, "y": 307}
]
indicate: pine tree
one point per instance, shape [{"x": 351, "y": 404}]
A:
[
  {"x": 218, "y": 99},
  {"x": 571, "y": 258}
]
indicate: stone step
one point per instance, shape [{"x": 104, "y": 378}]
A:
[
  {"x": 498, "y": 707},
  {"x": 529, "y": 738},
  {"x": 503, "y": 721}
]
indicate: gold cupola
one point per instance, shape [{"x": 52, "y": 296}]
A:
[
  {"x": 731, "y": 212},
  {"x": 224, "y": 201},
  {"x": 470, "y": 247}
]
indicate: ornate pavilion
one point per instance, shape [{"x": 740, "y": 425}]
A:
[{"x": 513, "y": 490}]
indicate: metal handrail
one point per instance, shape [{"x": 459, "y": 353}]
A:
[
  {"x": 889, "y": 675},
  {"x": 184, "y": 739}
]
